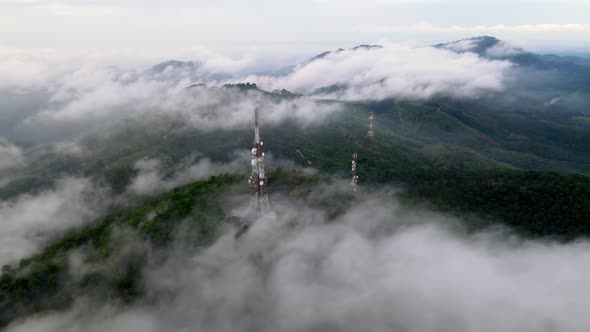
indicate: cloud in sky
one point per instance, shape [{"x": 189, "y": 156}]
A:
[
  {"x": 176, "y": 24},
  {"x": 483, "y": 29}
]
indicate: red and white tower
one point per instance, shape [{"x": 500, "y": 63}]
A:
[
  {"x": 371, "y": 133},
  {"x": 355, "y": 177},
  {"x": 258, "y": 196}
]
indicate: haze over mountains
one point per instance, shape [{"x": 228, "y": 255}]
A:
[
  {"x": 394, "y": 71},
  {"x": 122, "y": 190},
  {"x": 488, "y": 91}
]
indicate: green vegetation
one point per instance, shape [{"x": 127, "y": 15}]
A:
[
  {"x": 479, "y": 134},
  {"x": 242, "y": 86},
  {"x": 533, "y": 203},
  {"x": 446, "y": 152}
]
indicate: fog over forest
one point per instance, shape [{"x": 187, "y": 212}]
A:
[
  {"x": 427, "y": 166},
  {"x": 378, "y": 266}
]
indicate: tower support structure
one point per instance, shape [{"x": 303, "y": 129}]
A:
[
  {"x": 355, "y": 177},
  {"x": 371, "y": 133},
  {"x": 258, "y": 196}
]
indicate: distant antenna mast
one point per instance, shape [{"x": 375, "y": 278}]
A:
[
  {"x": 259, "y": 196},
  {"x": 355, "y": 177},
  {"x": 371, "y": 133}
]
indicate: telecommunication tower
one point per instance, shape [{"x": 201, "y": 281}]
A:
[
  {"x": 355, "y": 177},
  {"x": 371, "y": 133},
  {"x": 257, "y": 181}
]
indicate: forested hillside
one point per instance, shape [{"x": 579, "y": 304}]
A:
[{"x": 114, "y": 250}]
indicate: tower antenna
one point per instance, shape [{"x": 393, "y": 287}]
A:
[
  {"x": 355, "y": 177},
  {"x": 371, "y": 133},
  {"x": 257, "y": 181}
]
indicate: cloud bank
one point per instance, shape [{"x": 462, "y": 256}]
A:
[
  {"x": 11, "y": 156},
  {"x": 377, "y": 267},
  {"x": 88, "y": 92},
  {"x": 154, "y": 177},
  {"x": 218, "y": 108},
  {"x": 395, "y": 71},
  {"x": 82, "y": 96},
  {"x": 503, "y": 49},
  {"x": 29, "y": 220},
  {"x": 150, "y": 178}
]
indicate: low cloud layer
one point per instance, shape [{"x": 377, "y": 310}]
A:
[
  {"x": 95, "y": 94},
  {"x": 395, "y": 71},
  {"x": 150, "y": 178},
  {"x": 82, "y": 95},
  {"x": 377, "y": 267},
  {"x": 499, "y": 50},
  {"x": 218, "y": 108},
  {"x": 154, "y": 177},
  {"x": 502, "y": 49},
  {"x": 71, "y": 99},
  {"x": 199, "y": 107}
]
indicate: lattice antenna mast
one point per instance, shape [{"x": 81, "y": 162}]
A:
[
  {"x": 355, "y": 177},
  {"x": 371, "y": 133},
  {"x": 258, "y": 196}
]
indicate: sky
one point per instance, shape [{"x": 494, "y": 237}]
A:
[{"x": 132, "y": 27}]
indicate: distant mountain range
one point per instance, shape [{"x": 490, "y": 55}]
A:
[
  {"x": 561, "y": 82},
  {"x": 175, "y": 66},
  {"x": 573, "y": 71},
  {"x": 176, "y": 70},
  {"x": 493, "y": 48}
]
